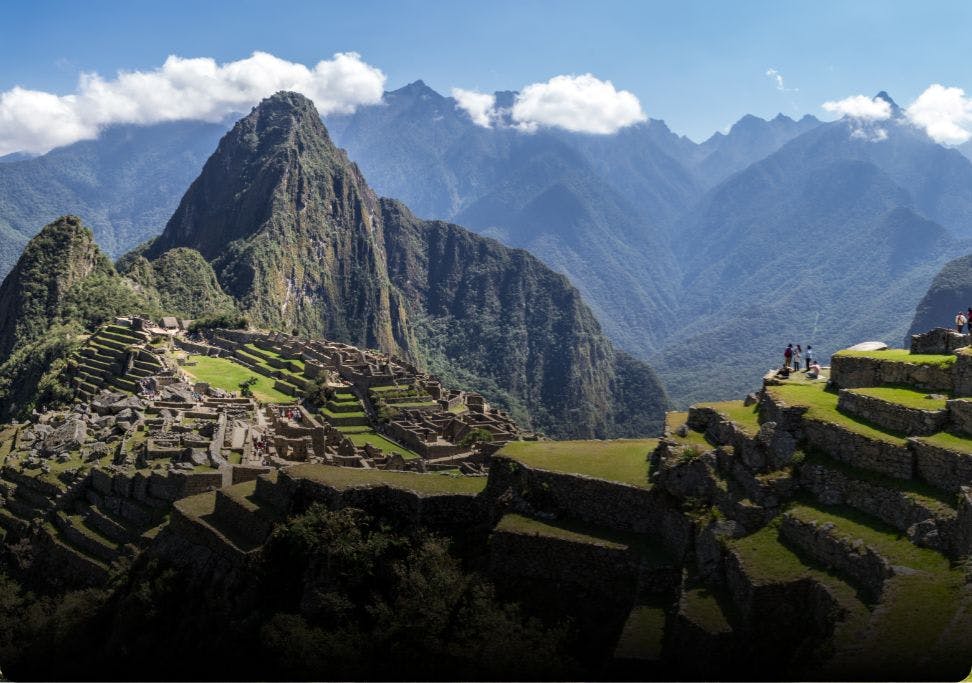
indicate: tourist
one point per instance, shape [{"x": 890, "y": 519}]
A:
[
  {"x": 788, "y": 356},
  {"x": 813, "y": 370},
  {"x": 809, "y": 356},
  {"x": 796, "y": 358},
  {"x": 960, "y": 321}
]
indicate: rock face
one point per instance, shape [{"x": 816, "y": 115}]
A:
[
  {"x": 297, "y": 238},
  {"x": 950, "y": 292}
]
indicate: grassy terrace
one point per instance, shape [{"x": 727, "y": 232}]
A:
[
  {"x": 620, "y": 460},
  {"x": 904, "y": 396},
  {"x": 581, "y": 533},
  {"x": 949, "y": 441},
  {"x": 350, "y": 477},
  {"x": 767, "y": 560},
  {"x": 822, "y": 405},
  {"x": 925, "y": 494},
  {"x": 901, "y": 356},
  {"x": 746, "y": 417},
  {"x": 380, "y": 442},
  {"x": 887, "y": 540},
  {"x": 642, "y": 634},
  {"x": 916, "y": 608},
  {"x": 701, "y": 606},
  {"x": 226, "y": 374},
  {"x": 675, "y": 420},
  {"x": 253, "y": 350},
  {"x": 328, "y": 413}
]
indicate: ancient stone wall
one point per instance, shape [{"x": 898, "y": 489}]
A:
[
  {"x": 892, "y": 416},
  {"x": 852, "y": 372},
  {"x": 941, "y": 467},
  {"x": 862, "y": 563},
  {"x": 939, "y": 341},
  {"x": 858, "y": 450},
  {"x": 596, "y": 502}
]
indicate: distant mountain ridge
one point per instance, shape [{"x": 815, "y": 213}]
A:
[{"x": 651, "y": 227}]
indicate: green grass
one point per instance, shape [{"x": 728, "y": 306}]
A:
[
  {"x": 414, "y": 404},
  {"x": 901, "y": 356},
  {"x": 822, "y": 405},
  {"x": 886, "y": 540},
  {"x": 620, "y": 460},
  {"x": 642, "y": 635},
  {"x": 226, "y": 374},
  {"x": 349, "y": 477},
  {"x": 949, "y": 441},
  {"x": 381, "y": 443},
  {"x": 904, "y": 396},
  {"x": 327, "y": 413},
  {"x": 693, "y": 438},
  {"x": 916, "y": 608},
  {"x": 576, "y": 532},
  {"x": 390, "y": 387},
  {"x": 746, "y": 417},
  {"x": 354, "y": 429},
  {"x": 701, "y": 606}
]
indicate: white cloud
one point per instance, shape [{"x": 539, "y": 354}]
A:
[
  {"x": 945, "y": 114},
  {"x": 480, "y": 106},
  {"x": 581, "y": 104},
  {"x": 777, "y": 78},
  {"x": 198, "y": 88},
  {"x": 860, "y": 107}
]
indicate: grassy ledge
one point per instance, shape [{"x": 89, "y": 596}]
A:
[
  {"x": 901, "y": 356},
  {"x": 620, "y": 460},
  {"x": 350, "y": 477},
  {"x": 822, "y": 405},
  {"x": 904, "y": 396}
]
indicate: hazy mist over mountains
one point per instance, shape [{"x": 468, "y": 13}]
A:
[{"x": 692, "y": 256}]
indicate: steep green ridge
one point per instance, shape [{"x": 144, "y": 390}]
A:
[
  {"x": 61, "y": 285},
  {"x": 502, "y": 316},
  {"x": 61, "y": 277},
  {"x": 298, "y": 239},
  {"x": 183, "y": 281}
]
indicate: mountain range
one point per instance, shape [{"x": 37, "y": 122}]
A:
[
  {"x": 281, "y": 226},
  {"x": 689, "y": 255}
]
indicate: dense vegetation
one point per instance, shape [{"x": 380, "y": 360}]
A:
[{"x": 338, "y": 596}]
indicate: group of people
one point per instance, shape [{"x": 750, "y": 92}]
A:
[
  {"x": 292, "y": 414},
  {"x": 963, "y": 320},
  {"x": 794, "y": 355}
]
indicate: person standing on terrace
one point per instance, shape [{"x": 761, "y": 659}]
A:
[{"x": 960, "y": 321}]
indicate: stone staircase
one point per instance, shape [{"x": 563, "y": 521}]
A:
[{"x": 116, "y": 358}]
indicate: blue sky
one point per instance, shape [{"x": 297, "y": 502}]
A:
[{"x": 698, "y": 65}]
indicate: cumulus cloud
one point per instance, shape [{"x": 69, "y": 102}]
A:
[
  {"x": 860, "y": 107},
  {"x": 480, "y": 106},
  {"x": 197, "y": 88},
  {"x": 777, "y": 78},
  {"x": 580, "y": 104},
  {"x": 945, "y": 114}
]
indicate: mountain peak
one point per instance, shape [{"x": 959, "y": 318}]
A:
[{"x": 883, "y": 95}]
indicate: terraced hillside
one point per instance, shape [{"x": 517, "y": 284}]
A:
[
  {"x": 817, "y": 530},
  {"x": 115, "y": 357}
]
